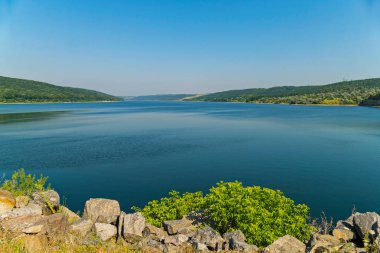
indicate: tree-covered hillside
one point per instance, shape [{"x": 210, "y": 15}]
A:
[
  {"x": 342, "y": 93},
  {"x": 13, "y": 90},
  {"x": 163, "y": 97}
]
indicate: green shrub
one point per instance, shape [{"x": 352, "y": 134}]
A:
[
  {"x": 262, "y": 214},
  {"x": 25, "y": 184},
  {"x": 175, "y": 206}
]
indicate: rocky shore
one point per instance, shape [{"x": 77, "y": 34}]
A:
[{"x": 39, "y": 220}]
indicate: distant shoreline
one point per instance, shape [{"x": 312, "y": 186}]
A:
[{"x": 39, "y": 103}]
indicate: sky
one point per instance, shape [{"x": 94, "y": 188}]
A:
[{"x": 139, "y": 47}]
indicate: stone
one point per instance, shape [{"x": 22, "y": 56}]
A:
[
  {"x": 102, "y": 210},
  {"x": 366, "y": 223},
  {"x": 70, "y": 215},
  {"x": 286, "y": 244},
  {"x": 81, "y": 227},
  {"x": 22, "y": 201},
  {"x": 55, "y": 226},
  {"x": 172, "y": 226},
  {"x": 48, "y": 200},
  {"x": 236, "y": 235},
  {"x": 188, "y": 231},
  {"x": 133, "y": 227},
  {"x": 105, "y": 231},
  {"x": 34, "y": 243},
  {"x": 209, "y": 237},
  {"x": 325, "y": 242},
  {"x": 176, "y": 239},
  {"x": 343, "y": 234},
  {"x": 7, "y": 202},
  {"x": 242, "y": 246},
  {"x": 199, "y": 247},
  {"x": 33, "y": 229},
  {"x": 31, "y": 209},
  {"x": 16, "y": 226},
  {"x": 154, "y": 232}
]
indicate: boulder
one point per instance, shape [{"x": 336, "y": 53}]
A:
[
  {"x": 199, "y": 247},
  {"x": 236, "y": 235},
  {"x": 7, "y": 202},
  {"x": 105, "y": 231},
  {"x": 242, "y": 246},
  {"x": 325, "y": 242},
  {"x": 35, "y": 229},
  {"x": 176, "y": 239},
  {"x": 343, "y": 234},
  {"x": 102, "y": 210},
  {"x": 154, "y": 232},
  {"x": 366, "y": 224},
  {"x": 55, "y": 226},
  {"x": 22, "y": 201},
  {"x": 188, "y": 231},
  {"x": 16, "y": 226},
  {"x": 48, "y": 200},
  {"x": 286, "y": 244},
  {"x": 34, "y": 243},
  {"x": 209, "y": 237},
  {"x": 81, "y": 227},
  {"x": 70, "y": 215},
  {"x": 172, "y": 226},
  {"x": 132, "y": 226},
  {"x": 31, "y": 209}
]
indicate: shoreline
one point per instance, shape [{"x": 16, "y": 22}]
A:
[{"x": 42, "y": 103}]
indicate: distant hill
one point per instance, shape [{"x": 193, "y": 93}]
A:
[
  {"x": 163, "y": 97},
  {"x": 13, "y": 90},
  {"x": 341, "y": 93}
]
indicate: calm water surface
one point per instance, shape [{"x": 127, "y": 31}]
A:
[{"x": 326, "y": 157}]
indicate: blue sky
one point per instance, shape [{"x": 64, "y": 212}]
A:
[{"x": 184, "y": 46}]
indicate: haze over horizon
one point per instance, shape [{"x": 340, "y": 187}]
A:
[{"x": 160, "y": 47}]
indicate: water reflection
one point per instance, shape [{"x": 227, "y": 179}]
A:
[{"x": 12, "y": 118}]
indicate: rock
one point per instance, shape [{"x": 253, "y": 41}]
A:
[
  {"x": 171, "y": 249},
  {"x": 286, "y": 244},
  {"x": 154, "y": 232},
  {"x": 81, "y": 227},
  {"x": 199, "y": 247},
  {"x": 188, "y": 231},
  {"x": 102, "y": 210},
  {"x": 242, "y": 246},
  {"x": 48, "y": 200},
  {"x": 366, "y": 223},
  {"x": 343, "y": 234},
  {"x": 22, "y": 201},
  {"x": 236, "y": 235},
  {"x": 34, "y": 243},
  {"x": 7, "y": 202},
  {"x": 70, "y": 215},
  {"x": 133, "y": 226},
  {"x": 16, "y": 226},
  {"x": 105, "y": 231},
  {"x": 176, "y": 239},
  {"x": 31, "y": 209},
  {"x": 325, "y": 242},
  {"x": 55, "y": 226},
  {"x": 33, "y": 229},
  {"x": 172, "y": 226},
  {"x": 209, "y": 237},
  {"x": 346, "y": 224}
]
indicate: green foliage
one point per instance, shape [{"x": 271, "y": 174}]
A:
[
  {"x": 175, "y": 206},
  {"x": 25, "y": 184},
  {"x": 13, "y": 90},
  {"x": 262, "y": 214},
  {"x": 342, "y": 93}
]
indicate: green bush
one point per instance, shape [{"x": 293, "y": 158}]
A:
[
  {"x": 262, "y": 214},
  {"x": 25, "y": 184}
]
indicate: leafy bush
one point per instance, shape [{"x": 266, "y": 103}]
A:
[
  {"x": 262, "y": 214},
  {"x": 25, "y": 184}
]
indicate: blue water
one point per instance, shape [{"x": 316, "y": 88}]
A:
[{"x": 325, "y": 157}]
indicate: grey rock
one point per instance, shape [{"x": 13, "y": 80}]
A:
[
  {"x": 209, "y": 237},
  {"x": 102, "y": 210},
  {"x": 366, "y": 223},
  {"x": 236, "y": 235},
  {"x": 172, "y": 226},
  {"x": 22, "y": 201},
  {"x": 199, "y": 247},
  {"x": 188, "y": 231},
  {"x": 176, "y": 239},
  {"x": 48, "y": 200},
  {"x": 17, "y": 225},
  {"x": 154, "y": 232},
  {"x": 31, "y": 209},
  {"x": 344, "y": 234},
  {"x": 133, "y": 227},
  {"x": 242, "y": 246},
  {"x": 325, "y": 242},
  {"x": 70, "y": 215},
  {"x": 81, "y": 227},
  {"x": 286, "y": 244},
  {"x": 105, "y": 231}
]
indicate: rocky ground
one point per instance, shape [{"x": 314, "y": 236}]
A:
[{"x": 39, "y": 221}]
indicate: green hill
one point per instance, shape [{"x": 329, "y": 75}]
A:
[
  {"x": 163, "y": 97},
  {"x": 13, "y": 90},
  {"x": 341, "y": 93}
]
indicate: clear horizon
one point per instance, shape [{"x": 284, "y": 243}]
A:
[{"x": 146, "y": 47}]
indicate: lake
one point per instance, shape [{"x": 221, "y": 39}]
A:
[{"x": 325, "y": 157}]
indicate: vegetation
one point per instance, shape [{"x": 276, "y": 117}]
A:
[
  {"x": 342, "y": 93},
  {"x": 22, "y": 184},
  {"x": 13, "y": 90},
  {"x": 262, "y": 214},
  {"x": 164, "y": 97}
]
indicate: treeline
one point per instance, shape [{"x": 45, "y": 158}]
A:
[
  {"x": 342, "y": 93},
  {"x": 13, "y": 90}
]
